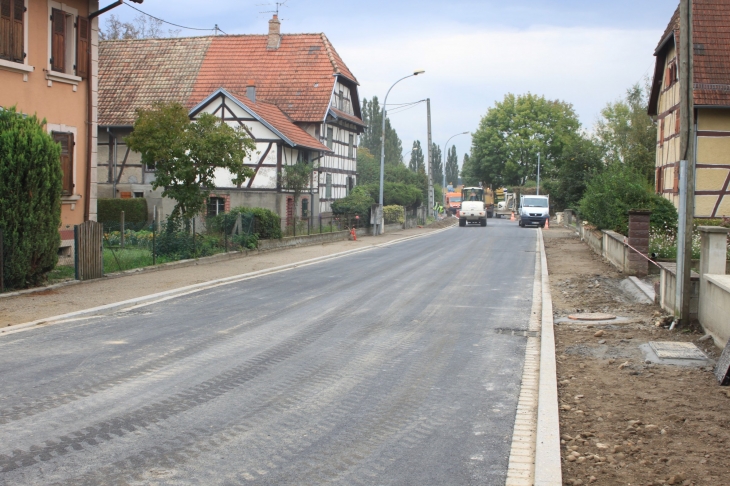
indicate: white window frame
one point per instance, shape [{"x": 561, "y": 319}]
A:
[
  {"x": 21, "y": 67},
  {"x": 54, "y": 127},
  {"x": 62, "y": 77}
]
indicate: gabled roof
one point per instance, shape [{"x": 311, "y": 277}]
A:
[
  {"x": 711, "y": 39},
  {"x": 298, "y": 77},
  {"x": 271, "y": 117}
]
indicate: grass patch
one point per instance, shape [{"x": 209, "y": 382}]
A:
[
  {"x": 61, "y": 274},
  {"x": 119, "y": 260}
]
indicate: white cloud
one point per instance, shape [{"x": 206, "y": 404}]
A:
[{"x": 467, "y": 70}]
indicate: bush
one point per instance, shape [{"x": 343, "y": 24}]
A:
[
  {"x": 263, "y": 223},
  {"x": 109, "y": 211},
  {"x": 611, "y": 194},
  {"x": 393, "y": 214},
  {"x": 664, "y": 215},
  {"x": 357, "y": 203},
  {"x": 30, "y": 199},
  {"x": 397, "y": 194}
]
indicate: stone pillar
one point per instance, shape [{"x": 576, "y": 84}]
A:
[
  {"x": 713, "y": 253},
  {"x": 639, "y": 239}
]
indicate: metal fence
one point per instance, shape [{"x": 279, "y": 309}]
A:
[{"x": 324, "y": 224}]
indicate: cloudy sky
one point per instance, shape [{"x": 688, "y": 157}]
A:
[{"x": 585, "y": 52}]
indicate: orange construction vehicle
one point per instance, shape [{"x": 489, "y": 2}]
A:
[{"x": 453, "y": 202}]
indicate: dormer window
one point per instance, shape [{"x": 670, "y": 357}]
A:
[{"x": 12, "y": 30}]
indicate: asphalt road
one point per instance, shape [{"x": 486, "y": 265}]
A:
[{"x": 397, "y": 365}]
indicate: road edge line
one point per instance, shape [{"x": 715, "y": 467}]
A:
[
  {"x": 521, "y": 469},
  {"x": 548, "y": 466},
  {"x": 189, "y": 289}
]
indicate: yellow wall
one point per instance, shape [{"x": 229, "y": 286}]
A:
[{"x": 59, "y": 103}]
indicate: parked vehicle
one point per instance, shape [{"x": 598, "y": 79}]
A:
[
  {"x": 473, "y": 209},
  {"x": 534, "y": 210},
  {"x": 506, "y": 203}
]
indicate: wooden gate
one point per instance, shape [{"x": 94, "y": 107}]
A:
[{"x": 89, "y": 258}]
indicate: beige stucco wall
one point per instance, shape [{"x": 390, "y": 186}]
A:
[{"x": 61, "y": 104}]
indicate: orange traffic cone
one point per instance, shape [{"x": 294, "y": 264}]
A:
[
  {"x": 512, "y": 218},
  {"x": 547, "y": 224}
]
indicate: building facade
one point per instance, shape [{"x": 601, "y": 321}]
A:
[
  {"x": 711, "y": 83},
  {"x": 294, "y": 82},
  {"x": 48, "y": 67}
]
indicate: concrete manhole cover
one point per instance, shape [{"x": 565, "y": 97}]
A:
[
  {"x": 592, "y": 316},
  {"x": 676, "y": 350}
]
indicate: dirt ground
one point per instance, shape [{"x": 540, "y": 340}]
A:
[
  {"x": 622, "y": 420},
  {"x": 52, "y": 302}
]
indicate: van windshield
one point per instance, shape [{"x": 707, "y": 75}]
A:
[
  {"x": 536, "y": 202},
  {"x": 455, "y": 199}
]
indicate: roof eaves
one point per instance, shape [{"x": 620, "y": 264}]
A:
[{"x": 664, "y": 42}]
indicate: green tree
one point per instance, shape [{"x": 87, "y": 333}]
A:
[
  {"x": 370, "y": 139},
  {"x": 368, "y": 168},
  {"x": 469, "y": 176},
  {"x": 186, "y": 154},
  {"x": 581, "y": 160},
  {"x": 30, "y": 198},
  {"x": 628, "y": 134},
  {"x": 296, "y": 178},
  {"x": 437, "y": 164},
  {"x": 513, "y": 132},
  {"x": 417, "y": 159},
  {"x": 452, "y": 166},
  {"x": 357, "y": 203}
]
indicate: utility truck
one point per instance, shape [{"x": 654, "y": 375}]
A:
[
  {"x": 534, "y": 210},
  {"x": 506, "y": 203},
  {"x": 473, "y": 209}
]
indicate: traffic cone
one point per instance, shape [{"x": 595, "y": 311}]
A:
[
  {"x": 353, "y": 234},
  {"x": 547, "y": 224},
  {"x": 512, "y": 218}
]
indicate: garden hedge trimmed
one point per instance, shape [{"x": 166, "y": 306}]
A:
[{"x": 109, "y": 210}]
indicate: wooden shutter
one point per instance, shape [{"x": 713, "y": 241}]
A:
[
  {"x": 6, "y": 20},
  {"x": 677, "y": 121},
  {"x": 58, "y": 41},
  {"x": 675, "y": 189},
  {"x": 83, "y": 41},
  {"x": 17, "y": 31},
  {"x": 659, "y": 180},
  {"x": 668, "y": 77},
  {"x": 67, "y": 167}
]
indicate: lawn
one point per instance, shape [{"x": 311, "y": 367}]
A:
[{"x": 118, "y": 260}]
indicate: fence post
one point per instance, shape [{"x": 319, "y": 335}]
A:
[
  {"x": 154, "y": 231},
  {"x": 320, "y": 223},
  {"x": 76, "y": 252},
  {"x": 195, "y": 252},
  {"x": 2, "y": 263},
  {"x": 225, "y": 231},
  {"x": 121, "y": 230}
]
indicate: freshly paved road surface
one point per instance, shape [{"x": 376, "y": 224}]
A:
[{"x": 389, "y": 366}]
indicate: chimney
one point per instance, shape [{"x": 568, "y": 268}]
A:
[
  {"x": 274, "y": 33},
  {"x": 251, "y": 91}
]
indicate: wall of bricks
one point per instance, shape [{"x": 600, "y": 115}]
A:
[{"x": 639, "y": 239}]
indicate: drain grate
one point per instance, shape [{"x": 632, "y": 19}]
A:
[{"x": 517, "y": 332}]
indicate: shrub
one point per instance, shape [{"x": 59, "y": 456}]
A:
[
  {"x": 30, "y": 198},
  {"x": 664, "y": 215},
  {"x": 263, "y": 223},
  {"x": 109, "y": 211},
  {"x": 393, "y": 214},
  {"x": 397, "y": 194},
  {"x": 357, "y": 203},
  {"x": 611, "y": 194}
]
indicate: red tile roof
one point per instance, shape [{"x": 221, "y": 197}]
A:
[
  {"x": 711, "y": 39},
  {"x": 135, "y": 73},
  {"x": 298, "y": 77}
]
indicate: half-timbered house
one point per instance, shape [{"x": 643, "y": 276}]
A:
[
  {"x": 711, "y": 21},
  {"x": 292, "y": 92}
]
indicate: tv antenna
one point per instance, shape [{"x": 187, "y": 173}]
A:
[{"x": 277, "y": 5}]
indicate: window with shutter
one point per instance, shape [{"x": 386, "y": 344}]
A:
[
  {"x": 67, "y": 168},
  {"x": 83, "y": 37},
  {"x": 677, "y": 121},
  {"x": 328, "y": 187},
  {"x": 659, "y": 180},
  {"x": 330, "y": 136},
  {"x": 12, "y": 30},
  {"x": 675, "y": 189},
  {"x": 58, "y": 41},
  {"x": 351, "y": 146},
  {"x": 661, "y": 133}
]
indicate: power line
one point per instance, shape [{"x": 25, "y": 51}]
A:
[{"x": 216, "y": 28}]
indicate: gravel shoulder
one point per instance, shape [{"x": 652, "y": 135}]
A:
[
  {"x": 52, "y": 302},
  {"x": 622, "y": 420}
]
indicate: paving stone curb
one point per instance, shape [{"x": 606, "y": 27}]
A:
[
  {"x": 179, "y": 292},
  {"x": 548, "y": 468}
]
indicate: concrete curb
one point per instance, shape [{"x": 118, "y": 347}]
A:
[
  {"x": 179, "y": 292},
  {"x": 548, "y": 467}
]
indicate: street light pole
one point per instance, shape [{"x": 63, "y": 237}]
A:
[
  {"x": 378, "y": 225},
  {"x": 443, "y": 163}
]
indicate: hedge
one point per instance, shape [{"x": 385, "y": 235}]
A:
[
  {"x": 109, "y": 211},
  {"x": 30, "y": 198}
]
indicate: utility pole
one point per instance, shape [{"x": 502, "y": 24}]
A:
[
  {"x": 429, "y": 165},
  {"x": 687, "y": 163},
  {"x": 538, "y": 173}
]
